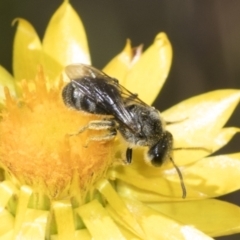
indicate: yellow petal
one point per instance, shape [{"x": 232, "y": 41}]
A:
[
  {"x": 97, "y": 219},
  {"x": 214, "y": 217},
  {"x": 34, "y": 225},
  {"x": 82, "y": 234},
  {"x": 149, "y": 74},
  {"x": 27, "y": 51},
  {"x": 130, "y": 191},
  {"x": 223, "y": 137},
  {"x": 7, "y": 236},
  {"x": 210, "y": 176},
  {"x": 64, "y": 41},
  {"x": 207, "y": 112},
  {"x": 64, "y": 219},
  {"x": 128, "y": 235},
  {"x": 199, "y": 120},
  {"x": 187, "y": 156},
  {"x": 116, "y": 203},
  {"x": 158, "y": 226},
  {"x": 6, "y": 80},
  {"x": 7, "y": 222},
  {"x": 7, "y": 190},
  {"x": 24, "y": 198},
  {"x": 152, "y": 180},
  {"x": 120, "y": 65}
]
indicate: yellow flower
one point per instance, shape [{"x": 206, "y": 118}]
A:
[{"x": 54, "y": 187}]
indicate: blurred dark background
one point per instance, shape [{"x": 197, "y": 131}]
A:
[{"x": 205, "y": 36}]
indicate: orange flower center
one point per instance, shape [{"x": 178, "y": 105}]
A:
[{"x": 40, "y": 146}]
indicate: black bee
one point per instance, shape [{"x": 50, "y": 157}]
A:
[{"x": 93, "y": 91}]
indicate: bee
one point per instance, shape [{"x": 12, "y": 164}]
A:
[{"x": 92, "y": 91}]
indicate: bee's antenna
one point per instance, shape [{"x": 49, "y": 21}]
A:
[{"x": 184, "y": 191}]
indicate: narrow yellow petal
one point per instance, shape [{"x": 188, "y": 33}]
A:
[
  {"x": 127, "y": 234},
  {"x": 27, "y": 51},
  {"x": 214, "y": 217},
  {"x": 130, "y": 191},
  {"x": 64, "y": 41},
  {"x": 118, "y": 205},
  {"x": 201, "y": 115},
  {"x": 98, "y": 222},
  {"x": 120, "y": 65},
  {"x": 187, "y": 156},
  {"x": 153, "y": 180},
  {"x": 7, "y": 236},
  {"x": 64, "y": 219},
  {"x": 34, "y": 225},
  {"x": 199, "y": 120},
  {"x": 223, "y": 137},
  {"x": 7, "y": 221},
  {"x": 24, "y": 198},
  {"x": 6, "y": 80},
  {"x": 159, "y": 226},
  {"x": 210, "y": 176},
  {"x": 7, "y": 190},
  {"x": 82, "y": 234},
  {"x": 149, "y": 74}
]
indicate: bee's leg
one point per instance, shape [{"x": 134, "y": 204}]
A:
[
  {"x": 107, "y": 137},
  {"x": 129, "y": 155},
  {"x": 97, "y": 125},
  {"x": 106, "y": 124}
]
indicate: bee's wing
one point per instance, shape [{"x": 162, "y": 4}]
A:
[
  {"x": 79, "y": 70},
  {"x": 108, "y": 94},
  {"x": 130, "y": 98}
]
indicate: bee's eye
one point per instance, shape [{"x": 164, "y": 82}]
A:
[{"x": 159, "y": 152}]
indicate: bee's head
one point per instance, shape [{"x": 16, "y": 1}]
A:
[{"x": 159, "y": 152}]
